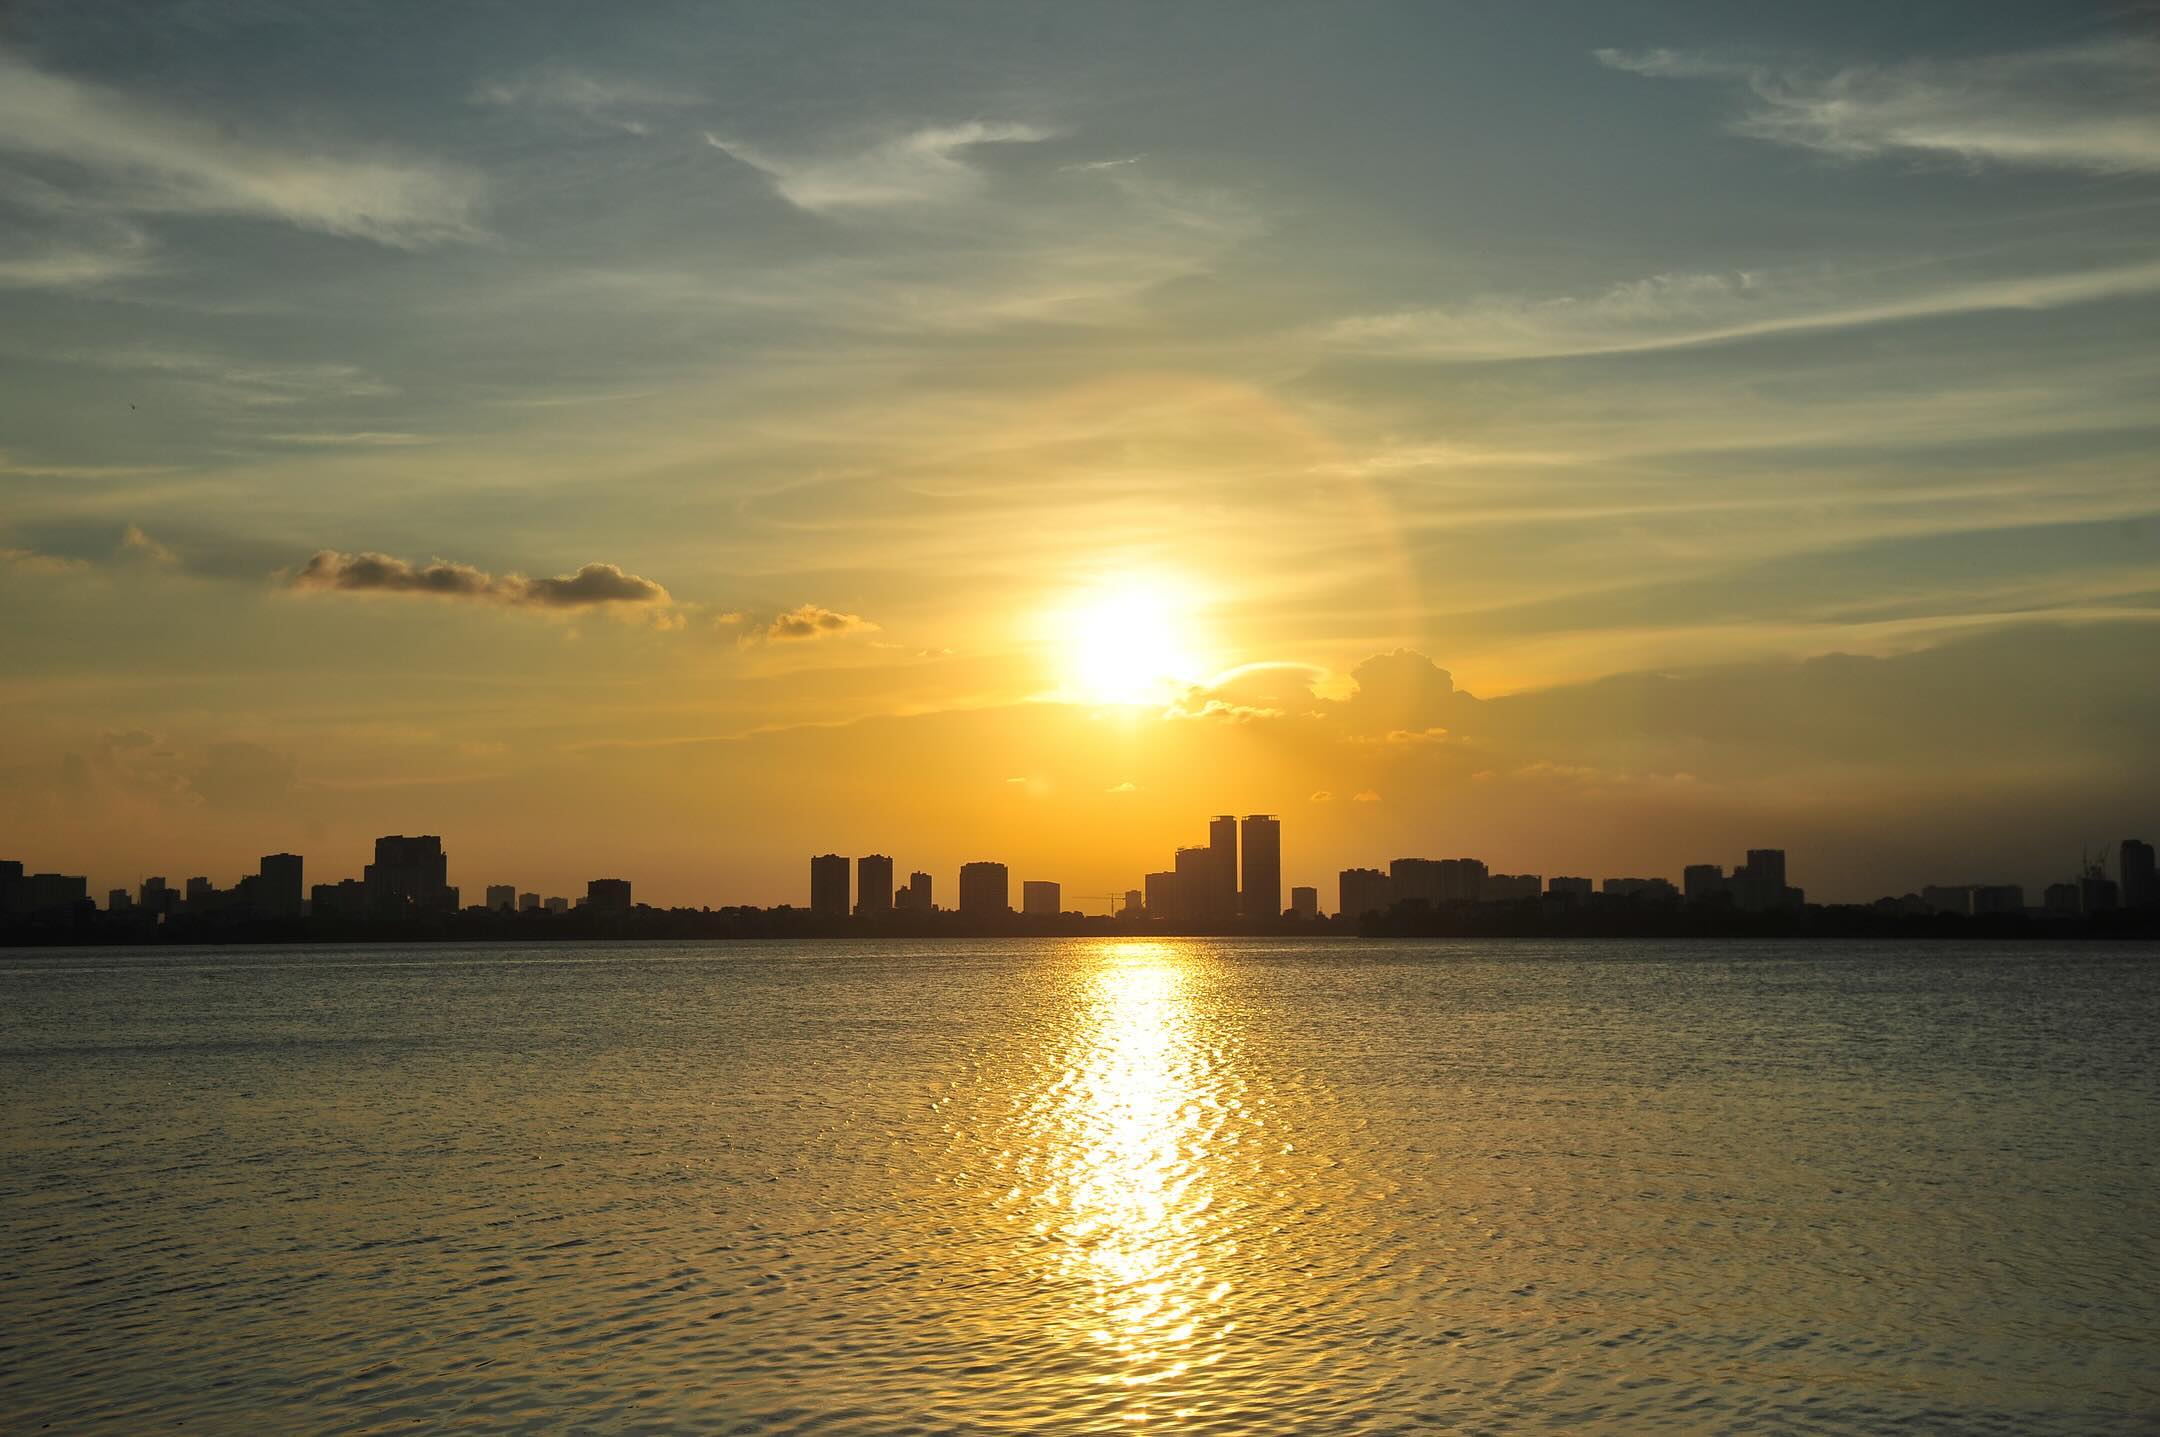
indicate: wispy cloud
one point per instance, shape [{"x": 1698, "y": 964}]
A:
[
  {"x": 1670, "y": 311},
  {"x": 2092, "y": 107},
  {"x": 812, "y": 621},
  {"x": 613, "y": 100},
  {"x": 138, "y": 157},
  {"x": 920, "y": 167},
  {"x": 591, "y": 586}
]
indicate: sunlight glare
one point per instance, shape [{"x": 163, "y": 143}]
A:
[{"x": 1129, "y": 641}]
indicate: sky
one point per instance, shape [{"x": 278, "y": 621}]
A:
[{"x": 670, "y": 441}]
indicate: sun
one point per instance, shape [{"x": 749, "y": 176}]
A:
[{"x": 1129, "y": 641}]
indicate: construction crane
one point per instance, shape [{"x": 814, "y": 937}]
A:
[{"x": 1113, "y": 901}]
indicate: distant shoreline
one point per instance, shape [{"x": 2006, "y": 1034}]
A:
[{"x": 1525, "y": 920}]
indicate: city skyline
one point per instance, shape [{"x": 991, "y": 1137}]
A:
[{"x": 1224, "y": 882}]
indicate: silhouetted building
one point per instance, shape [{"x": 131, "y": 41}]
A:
[
  {"x": 201, "y": 894},
  {"x": 2134, "y": 861},
  {"x": 1462, "y": 880},
  {"x": 502, "y": 897},
  {"x": 915, "y": 898},
  {"x": 155, "y": 897},
  {"x": 1704, "y": 883},
  {"x": 1997, "y": 898},
  {"x": 1510, "y": 887},
  {"x": 1759, "y": 884},
  {"x": 1040, "y": 900},
  {"x": 1222, "y": 890},
  {"x": 1414, "y": 880},
  {"x": 1642, "y": 890},
  {"x": 408, "y": 875},
  {"x": 2098, "y": 893},
  {"x": 1135, "y": 903},
  {"x": 1304, "y": 902},
  {"x": 528, "y": 903},
  {"x": 345, "y": 899},
  {"x": 2061, "y": 900},
  {"x": 1572, "y": 891},
  {"x": 984, "y": 888},
  {"x": 278, "y": 886},
  {"x": 556, "y": 905},
  {"x": 1360, "y": 891},
  {"x": 1939, "y": 898},
  {"x": 1195, "y": 884},
  {"x": 1161, "y": 895},
  {"x": 119, "y": 900},
  {"x": 608, "y": 895},
  {"x": 873, "y": 884},
  {"x": 1260, "y": 876},
  {"x": 829, "y": 885}
]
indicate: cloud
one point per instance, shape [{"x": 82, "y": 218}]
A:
[
  {"x": 921, "y": 167},
  {"x": 592, "y": 586},
  {"x": 811, "y": 621},
  {"x": 30, "y": 561},
  {"x": 606, "y": 99},
  {"x": 1126, "y": 787},
  {"x": 1673, "y": 311},
  {"x": 1366, "y": 796},
  {"x": 1321, "y": 795},
  {"x": 139, "y": 544},
  {"x": 138, "y": 157},
  {"x": 2093, "y": 108}
]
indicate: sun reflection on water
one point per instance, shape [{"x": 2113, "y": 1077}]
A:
[{"x": 1129, "y": 1192}]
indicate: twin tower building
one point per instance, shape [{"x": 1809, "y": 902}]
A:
[{"x": 1215, "y": 882}]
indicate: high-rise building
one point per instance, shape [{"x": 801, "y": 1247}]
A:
[
  {"x": 984, "y": 888},
  {"x": 1304, "y": 902},
  {"x": 1642, "y": 890},
  {"x": 1510, "y": 887},
  {"x": 829, "y": 885},
  {"x": 1572, "y": 891},
  {"x": 528, "y": 903},
  {"x": 1222, "y": 888},
  {"x": 502, "y": 897},
  {"x": 1997, "y": 898},
  {"x": 277, "y": 890},
  {"x": 608, "y": 895},
  {"x": 556, "y": 905},
  {"x": 1193, "y": 892},
  {"x": 873, "y": 884},
  {"x": 1360, "y": 891},
  {"x": 155, "y": 897},
  {"x": 2098, "y": 893},
  {"x": 1759, "y": 884},
  {"x": 1412, "y": 880},
  {"x": 2061, "y": 900},
  {"x": 1135, "y": 903},
  {"x": 409, "y": 875},
  {"x": 119, "y": 900},
  {"x": 1462, "y": 880},
  {"x": 1041, "y": 900},
  {"x": 347, "y": 898},
  {"x": 2134, "y": 862},
  {"x": 1942, "y": 898},
  {"x": 1162, "y": 895},
  {"x": 1704, "y": 883},
  {"x": 915, "y": 898},
  {"x": 1260, "y": 877}
]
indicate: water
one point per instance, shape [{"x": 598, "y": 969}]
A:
[{"x": 1201, "y": 1186}]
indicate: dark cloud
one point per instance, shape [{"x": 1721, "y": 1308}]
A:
[
  {"x": 590, "y": 586},
  {"x": 594, "y": 584},
  {"x": 814, "y": 622}
]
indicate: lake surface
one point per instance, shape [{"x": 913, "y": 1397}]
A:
[{"x": 1197, "y": 1185}]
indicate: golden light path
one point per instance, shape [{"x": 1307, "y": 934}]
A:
[{"x": 1128, "y": 1186}]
